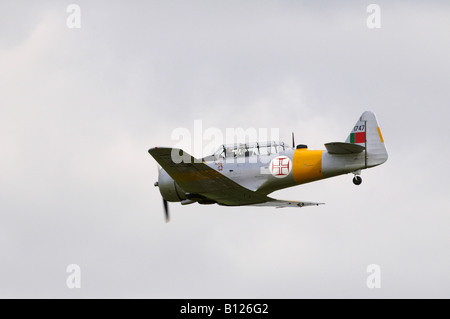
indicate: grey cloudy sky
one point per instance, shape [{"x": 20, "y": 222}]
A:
[{"x": 79, "y": 109}]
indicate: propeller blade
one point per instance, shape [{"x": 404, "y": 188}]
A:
[
  {"x": 165, "y": 203},
  {"x": 166, "y": 210}
]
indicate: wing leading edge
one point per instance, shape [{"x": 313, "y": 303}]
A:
[{"x": 195, "y": 177}]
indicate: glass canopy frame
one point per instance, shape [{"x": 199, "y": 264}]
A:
[{"x": 250, "y": 149}]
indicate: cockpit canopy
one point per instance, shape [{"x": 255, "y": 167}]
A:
[{"x": 250, "y": 149}]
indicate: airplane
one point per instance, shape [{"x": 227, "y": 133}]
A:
[{"x": 245, "y": 174}]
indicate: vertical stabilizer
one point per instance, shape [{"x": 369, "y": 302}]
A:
[{"x": 367, "y": 133}]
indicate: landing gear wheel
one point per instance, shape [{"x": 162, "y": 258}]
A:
[{"x": 357, "y": 180}]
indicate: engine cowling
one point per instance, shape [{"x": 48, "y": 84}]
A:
[{"x": 169, "y": 189}]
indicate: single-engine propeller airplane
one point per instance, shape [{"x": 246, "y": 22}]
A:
[{"x": 244, "y": 174}]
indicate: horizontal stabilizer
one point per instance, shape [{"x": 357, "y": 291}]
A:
[{"x": 344, "y": 148}]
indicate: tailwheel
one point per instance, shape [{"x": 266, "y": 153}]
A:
[{"x": 357, "y": 180}]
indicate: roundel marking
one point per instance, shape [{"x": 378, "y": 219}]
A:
[{"x": 280, "y": 166}]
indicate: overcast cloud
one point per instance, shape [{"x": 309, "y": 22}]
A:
[{"x": 79, "y": 108}]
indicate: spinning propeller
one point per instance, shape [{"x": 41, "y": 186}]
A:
[
  {"x": 166, "y": 210},
  {"x": 165, "y": 202}
]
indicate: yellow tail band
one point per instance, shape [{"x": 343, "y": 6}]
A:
[{"x": 379, "y": 133}]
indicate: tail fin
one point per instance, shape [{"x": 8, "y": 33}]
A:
[{"x": 367, "y": 133}]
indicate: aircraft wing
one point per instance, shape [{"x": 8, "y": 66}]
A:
[
  {"x": 278, "y": 203},
  {"x": 195, "y": 177}
]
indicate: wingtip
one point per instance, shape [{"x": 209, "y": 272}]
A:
[{"x": 151, "y": 150}]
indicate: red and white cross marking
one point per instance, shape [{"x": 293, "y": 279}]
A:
[{"x": 280, "y": 166}]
